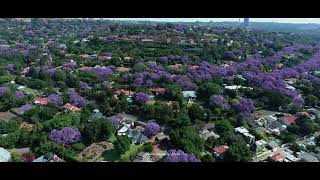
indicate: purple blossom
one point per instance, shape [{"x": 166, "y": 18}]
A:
[
  {"x": 180, "y": 156},
  {"x": 149, "y": 83},
  {"x": 137, "y": 82},
  {"x": 76, "y": 99},
  {"x": 245, "y": 105},
  {"x": 65, "y": 136},
  {"x": 51, "y": 71},
  {"x": 141, "y": 97},
  {"x": 25, "y": 107},
  {"x": 219, "y": 101},
  {"x": 3, "y": 91},
  {"x": 151, "y": 129},
  {"x": 55, "y": 99},
  {"x": 103, "y": 72},
  {"x": 19, "y": 95},
  {"x": 70, "y": 65},
  {"x": 10, "y": 68},
  {"x": 115, "y": 121},
  {"x": 84, "y": 86}
]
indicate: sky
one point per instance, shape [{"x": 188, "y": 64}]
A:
[{"x": 281, "y": 20}]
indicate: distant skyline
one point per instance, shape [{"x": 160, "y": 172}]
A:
[{"x": 278, "y": 20}]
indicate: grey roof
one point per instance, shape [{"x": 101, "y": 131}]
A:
[
  {"x": 273, "y": 144},
  {"x": 5, "y": 155},
  {"x": 276, "y": 124},
  {"x": 137, "y": 136},
  {"x": 308, "y": 157},
  {"x": 189, "y": 94}
]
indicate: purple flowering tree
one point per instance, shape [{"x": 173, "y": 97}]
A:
[
  {"x": 25, "y": 108},
  {"x": 180, "y": 156},
  {"x": 65, "y": 136},
  {"x": 76, "y": 99},
  {"x": 245, "y": 105},
  {"x": 219, "y": 101},
  {"x": 149, "y": 83},
  {"x": 70, "y": 65},
  {"x": 151, "y": 129},
  {"x": 10, "y": 68},
  {"x": 84, "y": 86},
  {"x": 19, "y": 95},
  {"x": 3, "y": 91},
  {"x": 141, "y": 97},
  {"x": 103, "y": 72},
  {"x": 55, "y": 99}
]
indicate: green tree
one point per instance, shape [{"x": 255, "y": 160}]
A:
[
  {"x": 223, "y": 126},
  {"x": 238, "y": 152},
  {"x": 188, "y": 140},
  {"x": 207, "y": 89},
  {"x": 196, "y": 112},
  {"x": 122, "y": 144},
  {"x": 59, "y": 75},
  {"x": 97, "y": 130}
]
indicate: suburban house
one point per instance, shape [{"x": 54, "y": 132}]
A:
[
  {"x": 70, "y": 107},
  {"x": 86, "y": 68},
  {"x": 277, "y": 158},
  {"x": 48, "y": 158},
  {"x": 5, "y": 156},
  {"x": 124, "y": 130},
  {"x": 190, "y": 95},
  {"x": 287, "y": 119},
  {"x": 219, "y": 150},
  {"x": 126, "y": 92},
  {"x": 143, "y": 157},
  {"x": 158, "y": 90},
  {"x": 245, "y": 133},
  {"x": 161, "y": 137},
  {"x": 122, "y": 69},
  {"x": 41, "y": 100},
  {"x": 205, "y": 134},
  {"x": 276, "y": 127},
  {"x": 261, "y": 146},
  {"x": 137, "y": 136},
  {"x": 307, "y": 157},
  {"x": 273, "y": 145}
]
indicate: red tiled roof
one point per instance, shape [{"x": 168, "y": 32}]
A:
[
  {"x": 122, "y": 69},
  {"x": 71, "y": 107},
  {"x": 86, "y": 68},
  {"x": 42, "y": 100},
  {"x": 126, "y": 92},
  {"x": 220, "y": 149},
  {"x": 158, "y": 90},
  {"x": 277, "y": 157},
  {"x": 290, "y": 119}
]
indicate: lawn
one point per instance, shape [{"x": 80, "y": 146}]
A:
[
  {"x": 134, "y": 150},
  {"x": 112, "y": 138},
  {"x": 112, "y": 156}
]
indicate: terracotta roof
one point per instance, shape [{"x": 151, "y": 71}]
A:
[
  {"x": 41, "y": 100},
  {"x": 126, "y": 92},
  {"x": 86, "y": 68},
  {"x": 123, "y": 69},
  {"x": 158, "y": 90},
  {"x": 71, "y": 107},
  {"x": 103, "y": 58},
  {"x": 290, "y": 119},
  {"x": 220, "y": 149},
  {"x": 277, "y": 157}
]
